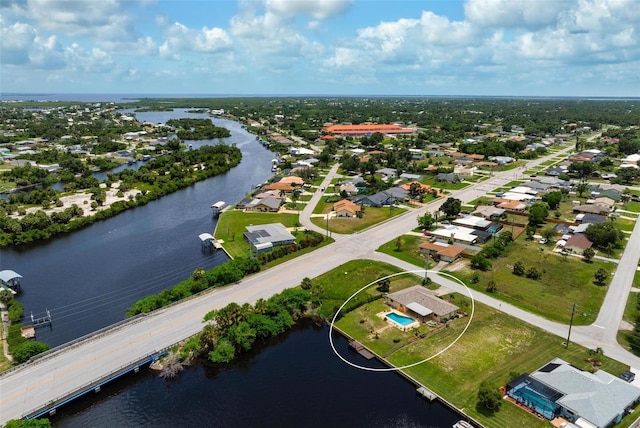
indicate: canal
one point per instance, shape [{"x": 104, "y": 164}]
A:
[
  {"x": 88, "y": 279},
  {"x": 293, "y": 381}
]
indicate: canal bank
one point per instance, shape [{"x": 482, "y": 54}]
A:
[{"x": 89, "y": 278}]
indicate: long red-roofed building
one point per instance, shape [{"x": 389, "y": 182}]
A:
[{"x": 366, "y": 129}]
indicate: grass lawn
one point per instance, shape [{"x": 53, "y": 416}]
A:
[
  {"x": 630, "y": 315},
  {"x": 337, "y": 285},
  {"x": 371, "y": 217},
  {"x": 496, "y": 347},
  {"x": 631, "y": 206},
  {"x": 540, "y": 297},
  {"x": 232, "y": 223},
  {"x": 409, "y": 250},
  {"x": 565, "y": 280}
]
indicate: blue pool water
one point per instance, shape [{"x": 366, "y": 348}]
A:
[{"x": 400, "y": 319}]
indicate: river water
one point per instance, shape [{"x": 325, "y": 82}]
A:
[
  {"x": 88, "y": 279},
  {"x": 295, "y": 381}
]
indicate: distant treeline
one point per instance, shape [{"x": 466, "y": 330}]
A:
[{"x": 198, "y": 129}]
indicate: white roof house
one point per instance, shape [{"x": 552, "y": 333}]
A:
[
  {"x": 473, "y": 222},
  {"x": 457, "y": 233}
]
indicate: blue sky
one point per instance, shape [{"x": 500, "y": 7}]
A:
[{"x": 345, "y": 47}]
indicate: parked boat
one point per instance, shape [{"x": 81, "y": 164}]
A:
[{"x": 462, "y": 424}]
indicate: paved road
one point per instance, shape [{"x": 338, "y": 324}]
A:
[{"x": 34, "y": 385}]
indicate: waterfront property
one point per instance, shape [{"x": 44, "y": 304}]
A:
[
  {"x": 266, "y": 236},
  {"x": 584, "y": 399},
  {"x": 421, "y": 304}
]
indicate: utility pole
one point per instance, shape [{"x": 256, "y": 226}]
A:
[{"x": 573, "y": 309}]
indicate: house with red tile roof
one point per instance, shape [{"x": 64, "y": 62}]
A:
[
  {"x": 365, "y": 129},
  {"x": 445, "y": 252}
]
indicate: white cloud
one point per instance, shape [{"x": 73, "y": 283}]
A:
[
  {"x": 15, "y": 41},
  {"x": 317, "y": 9},
  {"x": 94, "y": 60},
  {"x": 181, "y": 39},
  {"x": 511, "y": 13}
]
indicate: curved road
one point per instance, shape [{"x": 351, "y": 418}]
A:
[{"x": 71, "y": 368}]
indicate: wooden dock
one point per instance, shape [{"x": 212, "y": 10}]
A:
[{"x": 360, "y": 349}]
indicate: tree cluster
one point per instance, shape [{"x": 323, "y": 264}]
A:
[
  {"x": 226, "y": 273},
  {"x": 234, "y": 329}
]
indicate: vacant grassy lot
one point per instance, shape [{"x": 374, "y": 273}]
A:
[
  {"x": 496, "y": 347},
  {"x": 232, "y": 224},
  {"x": 336, "y": 286},
  {"x": 565, "y": 280},
  {"x": 370, "y": 217}
]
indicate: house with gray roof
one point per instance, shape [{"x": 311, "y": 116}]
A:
[
  {"x": 583, "y": 398},
  {"x": 378, "y": 200},
  {"x": 421, "y": 303},
  {"x": 264, "y": 237}
]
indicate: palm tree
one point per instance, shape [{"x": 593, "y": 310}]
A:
[{"x": 5, "y": 297}]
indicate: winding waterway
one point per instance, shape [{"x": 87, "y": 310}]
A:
[{"x": 88, "y": 279}]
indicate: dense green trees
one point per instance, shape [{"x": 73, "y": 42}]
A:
[
  {"x": 226, "y": 273},
  {"x": 197, "y": 129},
  {"x": 538, "y": 212},
  {"x": 489, "y": 395},
  {"x": 28, "y": 349},
  {"x": 451, "y": 207},
  {"x": 604, "y": 235},
  {"x": 234, "y": 329}
]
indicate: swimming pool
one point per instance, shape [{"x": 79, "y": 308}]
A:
[{"x": 400, "y": 319}]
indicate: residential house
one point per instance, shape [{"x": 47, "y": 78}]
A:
[
  {"x": 454, "y": 233},
  {"x": 588, "y": 218},
  {"x": 388, "y": 173},
  {"x": 584, "y": 399},
  {"x": 346, "y": 208},
  {"x": 422, "y": 304},
  {"x": 605, "y": 202},
  {"x": 283, "y": 187},
  {"x": 448, "y": 177},
  {"x": 510, "y": 205},
  {"x": 424, "y": 188},
  {"x": 269, "y": 204},
  {"x": 293, "y": 180},
  {"x": 577, "y": 244},
  {"x": 264, "y": 237},
  {"x": 398, "y": 193},
  {"x": 412, "y": 177},
  {"x": 489, "y": 211},
  {"x": 350, "y": 188},
  {"x": 377, "y": 200},
  {"x": 591, "y": 208},
  {"x": 502, "y": 160},
  {"x": 442, "y": 251}
]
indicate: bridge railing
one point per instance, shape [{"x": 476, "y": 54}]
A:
[{"x": 75, "y": 342}]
